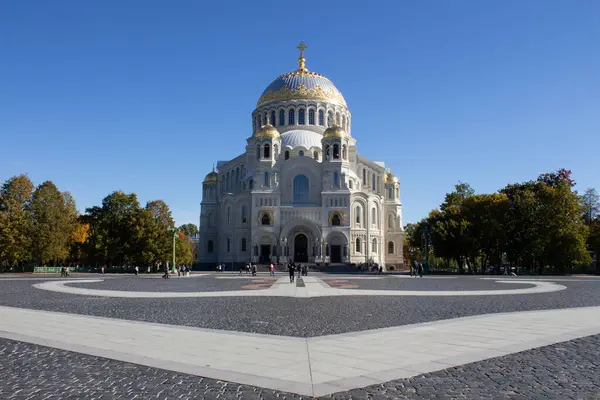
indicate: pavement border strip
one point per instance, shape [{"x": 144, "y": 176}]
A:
[
  {"x": 308, "y": 366},
  {"x": 314, "y": 287}
]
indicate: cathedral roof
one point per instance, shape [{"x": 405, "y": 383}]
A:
[
  {"x": 300, "y": 137},
  {"x": 301, "y": 84}
]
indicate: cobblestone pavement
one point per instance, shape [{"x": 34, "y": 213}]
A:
[
  {"x": 292, "y": 316},
  {"x": 568, "y": 370}
]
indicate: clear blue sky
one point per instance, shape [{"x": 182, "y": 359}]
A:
[{"x": 144, "y": 96}]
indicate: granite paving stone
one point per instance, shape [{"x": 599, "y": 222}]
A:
[
  {"x": 567, "y": 370},
  {"x": 302, "y": 317}
]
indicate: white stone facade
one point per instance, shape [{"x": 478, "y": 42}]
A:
[{"x": 301, "y": 191}]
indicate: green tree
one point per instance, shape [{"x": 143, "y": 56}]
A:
[
  {"x": 189, "y": 230},
  {"x": 591, "y": 204},
  {"x": 161, "y": 228},
  {"x": 15, "y": 221},
  {"x": 183, "y": 253},
  {"x": 54, "y": 223},
  {"x": 115, "y": 232},
  {"x": 485, "y": 214}
]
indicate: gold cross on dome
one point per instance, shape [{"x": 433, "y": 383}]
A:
[
  {"x": 302, "y": 47},
  {"x": 301, "y": 59}
]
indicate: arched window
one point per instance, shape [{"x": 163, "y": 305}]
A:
[
  {"x": 373, "y": 181},
  {"x": 281, "y": 117},
  {"x": 244, "y": 244},
  {"x": 321, "y": 117},
  {"x": 390, "y": 193},
  {"x": 358, "y": 215},
  {"x": 228, "y": 245},
  {"x": 292, "y": 117},
  {"x": 257, "y": 122},
  {"x": 390, "y": 222},
  {"x": 265, "y": 220},
  {"x": 267, "y": 183},
  {"x": 272, "y": 120},
  {"x": 374, "y": 246},
  {"x": 374, "y": 216},
  {"x": 251, "y": 184},
  {"x": 301, "y": 189},
  {"x": 227, "y": 182},
  {"x": 228, "y": 215},
  {"x": 237, "y": 177},
  {"x": 316, "y": 155},
  {"x": 336, "y": 179},
  {"x": 311, "y": 117},
  {"x": 390, "y": 247},
  {"x": 364, "y": 177},
  {"x": 301, "y": 153},
  {"x": 358, "y": 245},
  {"x": 350, "y": 183},
  {"x": 301, "y": 120},
  {"x": 244, "y": 217},
  {"x": 344, "y": 153},
  {"x": 330, "y": 118},
  {"x": 266, "y": 151},
  {"x": 336, "y": 220},
  {"x": 337, "y": 118},
  {"x": 287, "y": 154},
  {"x": 210, "y": 247},
  {"x": 344, "y": 121},
  {"x": 336, "y": 152}
]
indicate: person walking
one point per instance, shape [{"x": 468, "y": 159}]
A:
[
  {"x": 299, "y": 270},
  {"x": 102, "y": 270},
  {"x": 420, "y": 270},
  {"x": 166, "y": 275},
  {"x": 136, "y": 270},
  {"x": 291, "y": 270},
  {"x": 272, "y": 269},
  {"x": 254, "y": 269}
]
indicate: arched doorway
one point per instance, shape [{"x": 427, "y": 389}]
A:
[{"x": 301, "y": 248}]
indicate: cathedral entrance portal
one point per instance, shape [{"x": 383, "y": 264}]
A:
[
  {"x": 265, "y": 253},
  {"x": 336, "y": 253},
  {"x": 301, "y": 248}
]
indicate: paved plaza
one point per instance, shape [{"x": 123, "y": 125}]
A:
[{"x": 333, "y": 336}]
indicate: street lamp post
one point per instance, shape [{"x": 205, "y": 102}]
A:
[{"x": 174, "y": 259}]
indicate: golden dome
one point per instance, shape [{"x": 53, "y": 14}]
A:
[
  {"x": 334, "y": 131},
  {"x": 211, "y": 177},
  {"x": 267, "y": 131},
  {"x": 390, "y": 178},
  {"x": 301, "y": 84}
]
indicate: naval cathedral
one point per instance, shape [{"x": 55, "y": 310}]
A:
[{"x": 301, "y": 191}]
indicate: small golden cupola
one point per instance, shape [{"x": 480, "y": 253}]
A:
[
  {"x": 390, "y": 178},
  {"x": 267, "y": 131},
  {"x": 211, "y": 177},
  {"x": 334, "y": 132}
]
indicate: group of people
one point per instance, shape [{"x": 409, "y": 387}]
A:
[
  {"x": 182, "y": 270},
  {"x": 416, "y": 268},
  {"x": 64, "y": 272},
  {"x": 292, "y": 268},
  {"x": 250, "y": 268}
]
